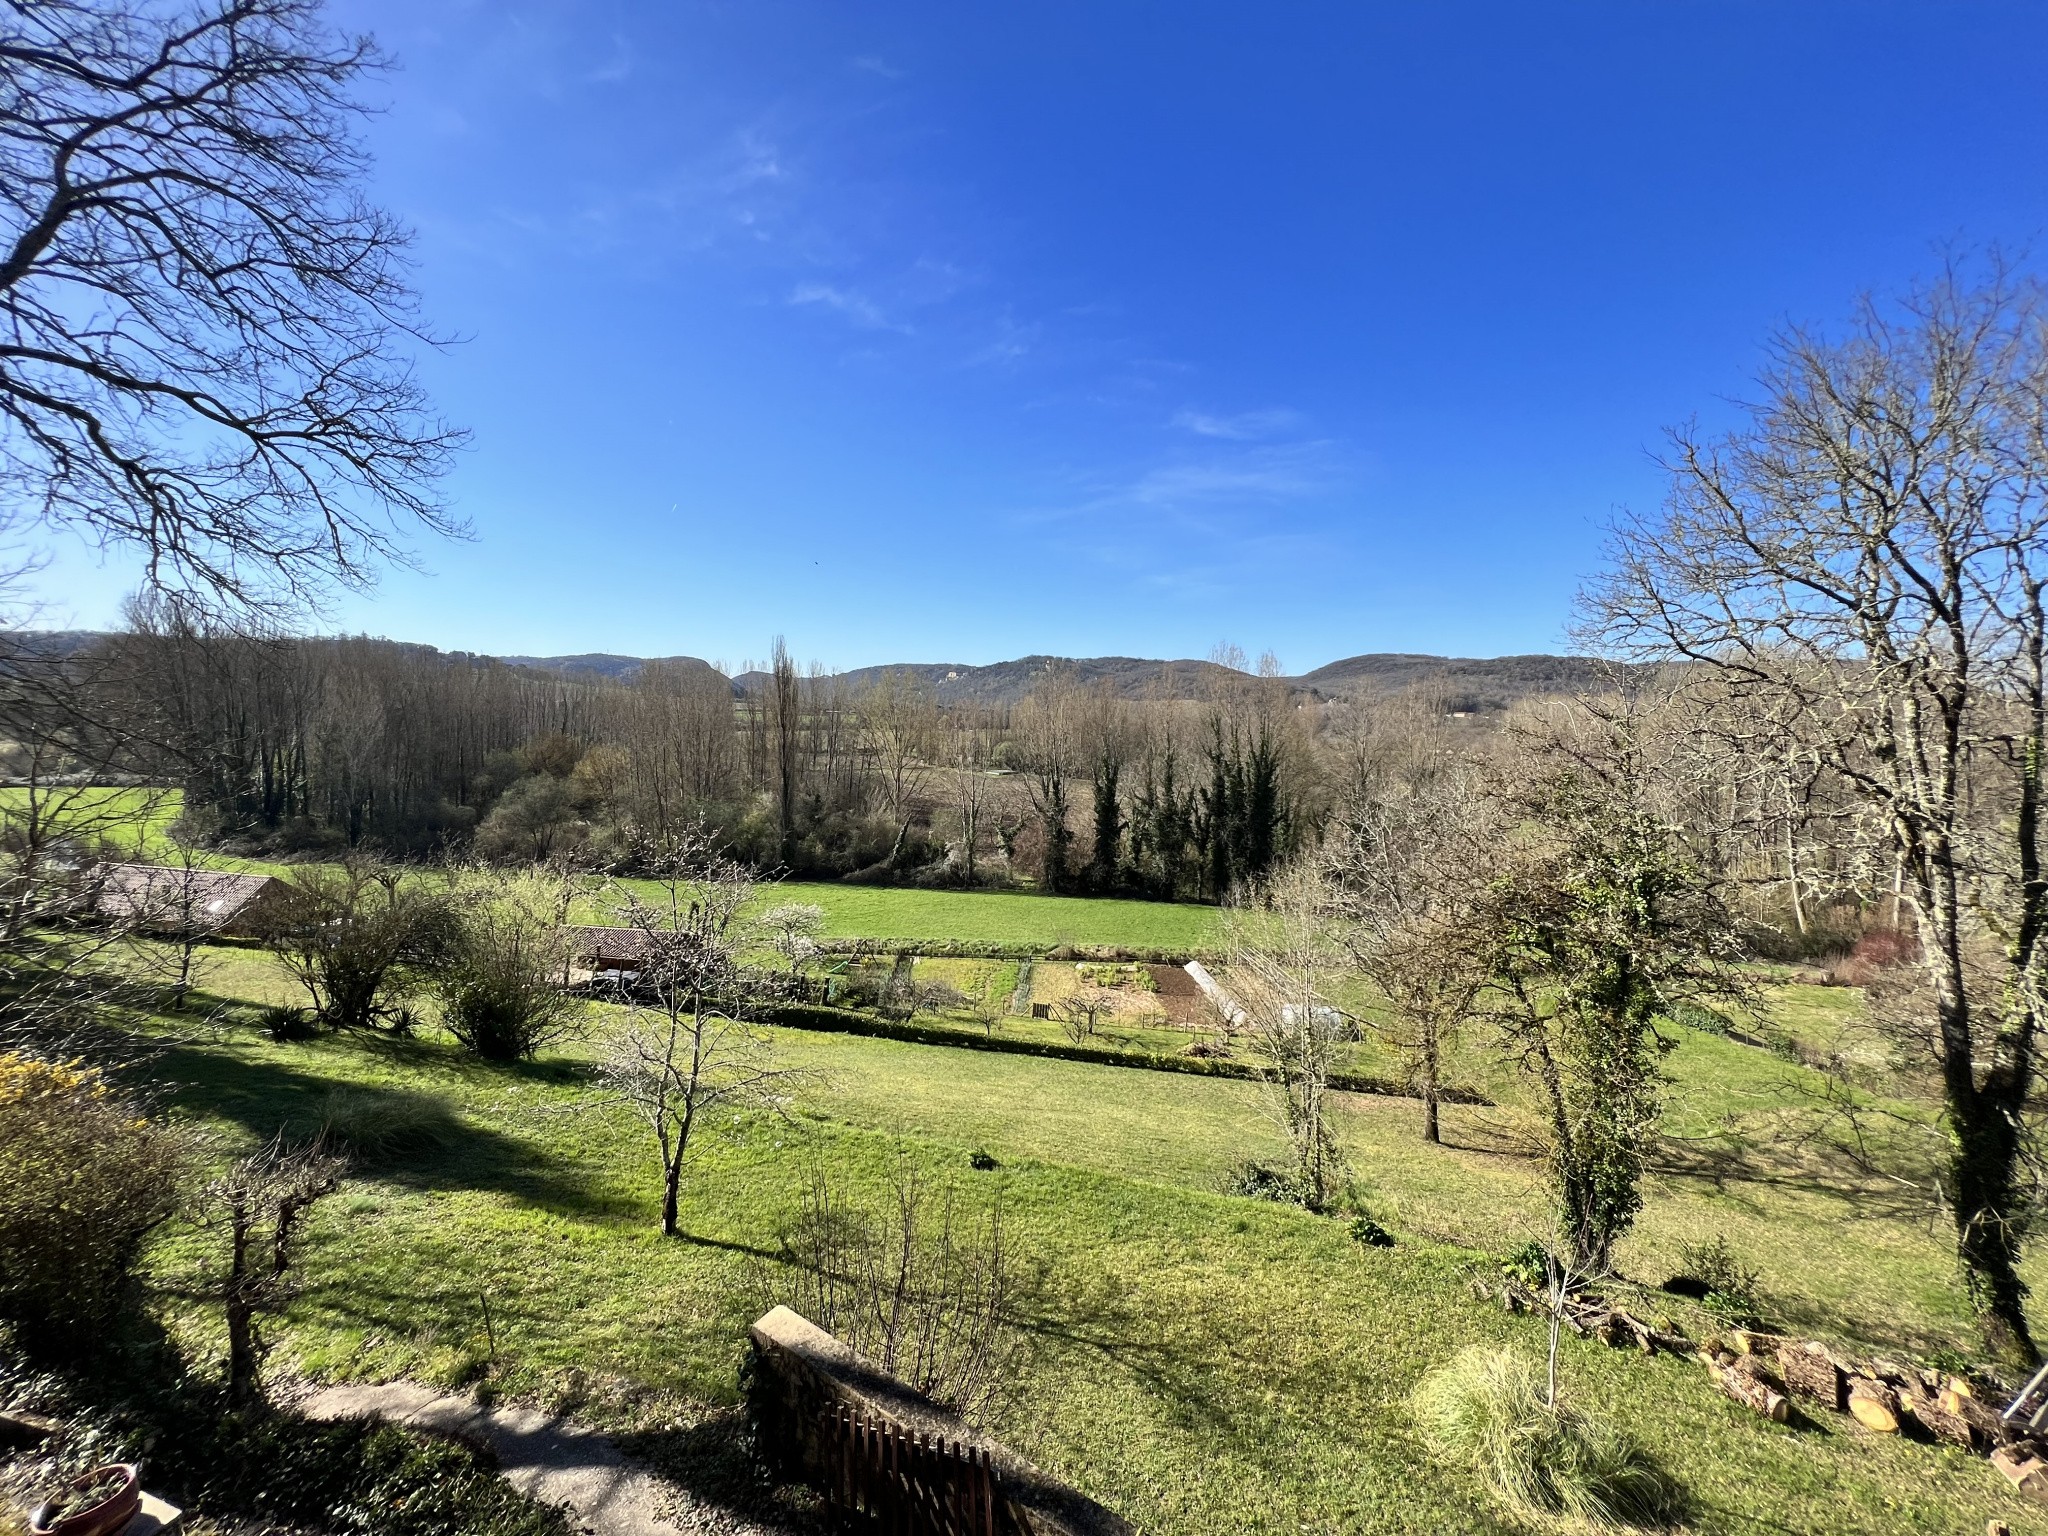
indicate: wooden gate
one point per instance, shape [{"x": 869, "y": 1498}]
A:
[{"x": 907, "y": 1483}]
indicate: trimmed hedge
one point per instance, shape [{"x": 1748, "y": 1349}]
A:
[
  {"x": 847, "y": 1022},
  {"x": 974, "y": 949}
]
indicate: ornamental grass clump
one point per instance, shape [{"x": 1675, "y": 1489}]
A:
[
  {"x": 84, "y": 1179},
  {"x": 1542, "y": 1459}
]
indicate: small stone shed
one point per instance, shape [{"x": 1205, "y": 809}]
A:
[{"x": 167, "y": 898}]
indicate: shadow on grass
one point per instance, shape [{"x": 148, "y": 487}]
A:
[
  {"x": 406, "y": 1136},
  {"x": 715, "y": 1461}
]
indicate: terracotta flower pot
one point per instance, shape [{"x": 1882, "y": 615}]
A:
[{"x": 123, "y": 1499}]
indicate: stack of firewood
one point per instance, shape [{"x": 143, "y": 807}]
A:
[{"x": 1766, "y": 1372}]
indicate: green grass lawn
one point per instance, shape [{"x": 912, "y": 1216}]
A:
[
  {"x": 133, "y": 821},
  {"x": 1004, "y": 917},
  {"x": 1199, "y": 1361},
  {"x": 139, "y": 821}
]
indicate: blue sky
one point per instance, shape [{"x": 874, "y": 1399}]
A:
[{"x": 955, "y": 332}]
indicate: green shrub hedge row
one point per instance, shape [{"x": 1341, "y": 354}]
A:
[
  {"x": 988, "y": 949},
  {"x": 847, "y": 1022}
]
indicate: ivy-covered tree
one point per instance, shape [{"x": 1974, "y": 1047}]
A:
[{"x": 1600, "y": 922}]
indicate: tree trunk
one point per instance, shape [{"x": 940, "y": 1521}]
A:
[
  {"x": 241, "y": 1312},
  {"x": 1813, "y": 1374},
  {"x": 1431, "y": 1088},
  {"x": 1985, "y": 1203},
  {"x": 1741, "y": 1380},
  {"x": 1983, "y": 1171},
  {"x": 672, "y": 1182}
]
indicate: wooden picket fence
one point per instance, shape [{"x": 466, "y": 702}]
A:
[{"x": 907, "y": 1483}]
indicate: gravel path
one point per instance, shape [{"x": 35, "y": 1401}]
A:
[{"x": 547, "y": 1458}]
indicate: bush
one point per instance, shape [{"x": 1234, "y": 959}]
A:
[
  {"x": 1487, "y": 1406},
  {"x": 283, "y": 1023},
  {"x": 354, "y": 935},
  {"x": 273, "y": 1471},
  {"x": 1530, "y": 1264},
  {"x": 1712, "y": 1274},
  {"x": 84, "y": 1180},
  {"x": 1368, "y": 1233},
  {"x": 1879, "y": 950},
  {"x": 1700, "y": 1017},
  {"x": 501, "y": 975},
  {"x": 1263, "y": 1181}
]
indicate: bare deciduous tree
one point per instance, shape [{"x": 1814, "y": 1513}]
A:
[
  {"x": 355, "y": 934},
  {"x": 686, "y": 1051},
  {"x": 263, "y": 1201},
  {"x": 203, "y": 347},
  {"x": 922, "y": 1288},
  {"x": 1048, "y": 743},
  {"x": 900, "y": 722},
  {"x": 1863, "y": 561},
  {"x": 967, "y": 761},
  {"x": 1408, "y": 869},
  {"x": 1084, "y": 1009},
  {"x": 1283, "y": 959}
]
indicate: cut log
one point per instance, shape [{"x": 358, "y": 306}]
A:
[
  {"x": 1874, "y": 1405},
  {"x": 1645, "y": 1338},
  {"x": 1944, "y": 1425},
  {"x": 2023, "y": 1469},
  {"x": 1744, "y": 1382},
  {"x": 1813, "y": 1376},
  {"x": 1749, "y": 1341},
  {"x": 1991, "y": 1429}
]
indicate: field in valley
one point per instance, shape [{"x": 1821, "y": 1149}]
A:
[{"x": 1199, "y": 1360}]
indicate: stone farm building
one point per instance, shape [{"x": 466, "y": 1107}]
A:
[
  {"x": 173, "y": 899},
  {"x": 607, "y": 952}
]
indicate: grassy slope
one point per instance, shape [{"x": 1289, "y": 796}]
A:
[{"x": 1202, "y": 1362}]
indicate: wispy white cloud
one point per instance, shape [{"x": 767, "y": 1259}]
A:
[
  {"x": 1278, "y": 473},
  {"x": 614, "y": 69},
  {"x": 856, "y": 307},
  {"x": 1240, "y": 427},
  {"x": 1208, "y": 495},
  {"x": 872, "y": 64},
  {"x": 1010, "y": 341}
]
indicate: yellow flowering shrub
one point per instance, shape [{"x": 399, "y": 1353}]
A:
[{"x": 84, "y": 1180}]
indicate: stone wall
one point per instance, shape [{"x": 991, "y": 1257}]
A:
[{"x": 800, "y": 1371}]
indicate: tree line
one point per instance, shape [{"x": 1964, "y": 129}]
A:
[{"x": 291, "y": 744}]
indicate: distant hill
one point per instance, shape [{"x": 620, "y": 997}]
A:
[
  {"x": 1474, "y": 683},
  {"x": 1479, "y": 684},
  {"x": 1008, "y": 682},
  {"x": 603, "y": 664}
]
